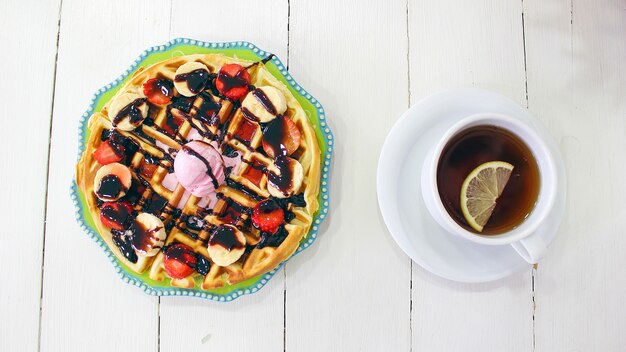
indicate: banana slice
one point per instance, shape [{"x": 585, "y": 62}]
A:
[
  {"x": 284, "y": 177},
  {"x": 191, "y": 78},
  {"x": 226, "y": 245},
  {"x": 111, "y": 182},
  {"x": 263, "y": 104},
  {"x": 148, "y": 234},
  {"x": 127, "y": 111}
]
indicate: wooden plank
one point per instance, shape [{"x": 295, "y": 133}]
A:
[
  {"x": 577, "y": 85},
  {"x": 28, "y": 59},
  {"x": 250, "y": 323},
  {"x": 468, "y": 44},
  {"x": 86, "y": 307},
  {"x": 350, "y": 291}
]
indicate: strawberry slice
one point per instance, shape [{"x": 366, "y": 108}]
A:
[
  {"x": 147, "y": 169},
  {"x": 108, "y": 153},
  {"x": 233, "y": 81},
  {"x": 281, "y": 137},
  {"x": 180, "y": 261},
  {"x": 267, "y": 216},
  {"x": 116, "y": 215},
  {"x": 158, "y": 91}
]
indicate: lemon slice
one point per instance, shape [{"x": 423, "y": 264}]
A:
[{"x": 481, "y": 190}]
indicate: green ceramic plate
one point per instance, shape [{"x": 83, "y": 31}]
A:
[{"x": 184, "y": 46}]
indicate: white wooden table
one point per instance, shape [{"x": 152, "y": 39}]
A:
[{"x": 354, "y": 290}]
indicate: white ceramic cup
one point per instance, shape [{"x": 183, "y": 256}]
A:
[{"x": 521, "y": 237}]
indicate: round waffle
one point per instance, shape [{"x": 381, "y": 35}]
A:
[{"x": 150, "y": 148}]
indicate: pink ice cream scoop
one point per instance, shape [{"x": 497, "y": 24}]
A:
[{"x": 199, "y": 168}]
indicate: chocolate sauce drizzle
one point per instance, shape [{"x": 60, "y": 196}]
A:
[
  {"x": 139, "y": 133},
  {"x": 235, "y": 81},
  {"x": 132, "y": 111},
  {"x": 119, "y": 215},
  {"x": 154, "y": 204},
  {"x": 153, "y": 160},
  {"x": 128, "y": 147},
  {"x": 295, "y": 200},
  {"x": 248, "y": 114},
  {"x": 233, "y": 212},
  {"x": 110, "y": 187},
  {"x": 170, "y": 128},
  {"x": 196, "y": 80},
  {"x": 264, "y": 100},
  {"x": 273, "y": 239},
  {"x": 189, "y": 225},
  {"x": 247, "y": 191},
  {"x": 230, "y": 152},
  {"x": 263, "y": 61},
  {"x": 121, "y": 240},
  {"x": 165, "y": 86},
  {"x": 203, "y": 265},
  {"x": 231, "y": 203},
  {"x": 171, "y": 210},
  {"x": 209, "y": 170},
  {"x": 142, "y": 238},
  {"x": 121, "y": 144},
  {"x": 273, "y": 135},
  {"x": 186, "y": 231},
  {"x": 204, "y": 132},
  {"x": 255, "y": 165},
  {"x": 182, "y": 103},
  {"x": 184, "y": 254},
  {"x": 225, "y": 237},
  {"x": 208, "y": 110},
  {"x": 194, "y": 223},
  {"x": 222, "y": 132},
  {"x": 282, "y": 181}
]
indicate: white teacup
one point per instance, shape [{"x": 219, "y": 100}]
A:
[{"x": 521, "y": 236}]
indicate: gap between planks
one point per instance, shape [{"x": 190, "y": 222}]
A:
[
  {"x": 534, "y": 268},
  {"x": 408, "y": 74},
  {"x": 45, "y": 206}
]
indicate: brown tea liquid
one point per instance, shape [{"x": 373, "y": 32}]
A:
[{"x": 480, "y": 144}]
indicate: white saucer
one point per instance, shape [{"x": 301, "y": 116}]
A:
[{"x": 400, "y": 196}]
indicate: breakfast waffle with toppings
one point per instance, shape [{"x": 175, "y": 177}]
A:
[{"x": 202, "y": 170}]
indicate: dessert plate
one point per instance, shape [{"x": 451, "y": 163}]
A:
[
  {"x": 313, "y": 111},
  {"x": 400, "y": 196}
]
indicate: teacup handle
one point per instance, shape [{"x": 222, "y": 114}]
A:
[{"x": 531, "y": 248}]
